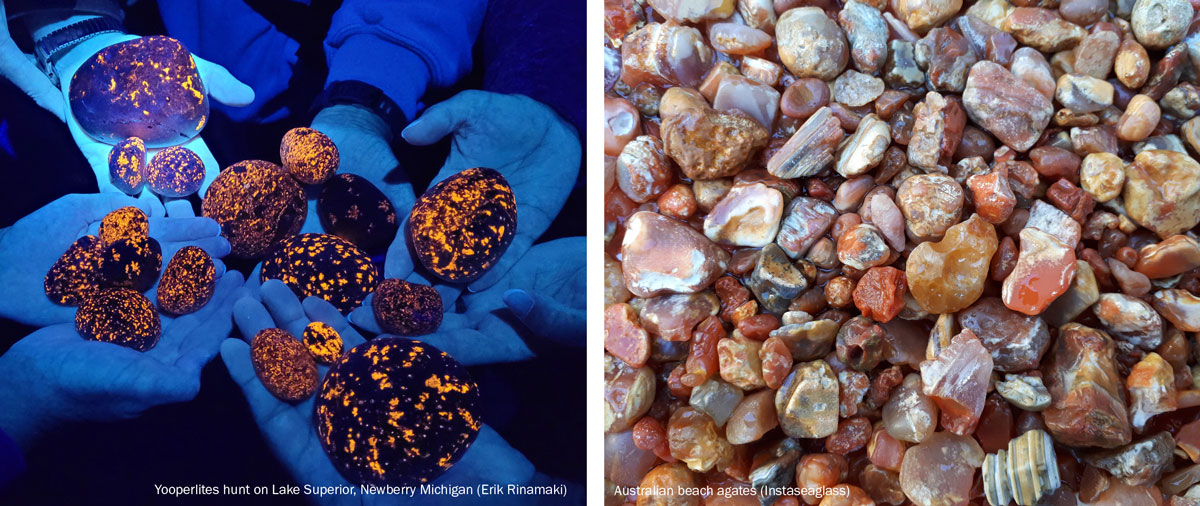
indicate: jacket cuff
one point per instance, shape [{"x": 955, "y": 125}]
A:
[
  {"x": 12, "y": 462},
  {"x": 396, "y": 71}
]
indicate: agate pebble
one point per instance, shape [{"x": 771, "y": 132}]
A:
[
  {"x": 175, "y": 172},
  {"x": 393, "y": 411},
  {"x": 120, "y": 316},
  {"x": 407, "y": 308},
  {"x": 323, "y": 342},
  {"x": 283, "y": 365},
  {"x": 76, "y": 274},
  {"x": 188, "y": 282},
  {"x": 131, "y": 263},
  {"x": 352, "y": 208},
  {"x": 257, "y": 204},
  {"x": 127, "y": 165},
  {"x": 309, "y": 155},
  {"x": 324, "y": 266},
  {"x": 461, "y": 226}
]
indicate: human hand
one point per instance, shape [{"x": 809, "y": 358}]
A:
[
  {"x": 31, "y": 246},
  {"x": 536, "y": 151},
  {"x": 288, "y": 427},
  {"x": 54, "y": 376}
]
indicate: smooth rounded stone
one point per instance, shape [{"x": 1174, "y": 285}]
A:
[
  {"x": 865, "y": 147},
  {"x": 394, "y": 411},
  {"x": 119, "y": 316},
  {"x": 775, "y": 281},
  {"x": 624, "y": 463},
  {"x": 1084, "y": 292},
  {"x": 947, "y": 56},
  {"x": 407, "y": 309},
  {"x": 628, "y": 393},
  {"x": 705, "y": 142},
  {"x": 175, "y": 172},
  {"x": 309, "y": 155},
  {"x": 1053, "y": 221},
  {"x": 660, "y": 255},
  {"x": 1183, "y": 101},
  {"x": 257, "y": 204},
  {"x": 1102, "y": 175},
  {"x": 810, "y": 44},
  {"x": 756, "y": 99},
  {"x": 868, "y": 35},
  {"x": 716, "y": 398},
  {"x": 1042, "y": 29},
  {"x": 1130, "y": 282},
  {"x": 127, "y": 165},
  {"x": 1151, "y": 387},
  {"x": 1044, "y": 269},
  {"x": 696, "y": 440},
  {"x": 994, "y": 199},
  {"x": 740, "y": 365},
  {"x": 622, "y": 123},
  {"x": 673, "y": 317},
  {"x": 1179, "y": 307},
  {"x": 850, "y": 193},
  {"x": 352, "y": 208},
  {"x": 187, "y": 283},
  {"x": 322, "y": 342},
  {"x": 283, "y": 365},
  {"x": 1023, "y": 391},
  {"x": 325, "y": 266},
  {"x": 126, "y": 222},
  {"x": 861, "y": 344},
  {"x": 1016, "y": 341},
  {"x": 669, "y": 485},
  {"x": 1162, "y": 191},
  {"x": 665, "y": 54},
  {"x": 1132, "y": 64},
  {"x": 147, "y": 88},
  {"x": 693, "y": 11},
  {"x": 736, "y": 38},
  {"x": 758, "y": 14},
  {"x": 879, "y": 209},
  {"x": 810, "y": 149},
  {"x": 804, "y": 97},
  {"x": 1006, "y": 105},
  {"x": 807, "y": 403},
  {"x": 957, "y": 380},
  {"x": 1139, "y": 119},
  {"x": 940, "y": 470},
  {"x": 1083, "y": 12},
  {"x": 909, "y": 415},
  {"x": 949, "y": 275},
  {"x": 643, "y": 170},
  {"x": 805, "y": 221},
  {"x": 1158, "y": 24},
  {"x": 901, "y": 71},
  {"x": 936, "y": 133},
  {"x": 76, "y": 274},
  {"x": 922, "y": 15},
  {"x": 863, "y": 247},
  {"x": 461, "y": 226},
  {"x": 752, "y": 418},
  {"x": 1130, "y": 319},
  {"x": 856, "y": 89},
  {"x": 1169, "y": 142},
  {"x": 931, "y": 204},
  {"x": 747, "y": 216},
  {"x": 1030, "y": 66},
  {"x": 131, "y": 263},
  {"x": 1095, "y": 54},
  {"x": 1140, "y": 463},
  {"x": 1088, "y": 407},
  {"x": 1083, "y": 94},
  {"x": 809, "y": 340}
]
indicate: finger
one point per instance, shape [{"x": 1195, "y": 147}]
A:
[
  {"x": 284, "y": 307},
  {"x": 221, "y": 84},
  {"x": 490, "y": 459},
  {"x": 254, "y": 282},
  {"x": 236, "y": 355},
  {"x": 211, "y": 168},
  {"x": 444, "y": 118},
  {"x": 363, "y": 317},
  {"x": 472, "y": 347},
  {"x": 320, "y": 310},
  {"x": 214, "y": 324},
  {"x": 251, "y": 317},
  {"x": 547, "y": 317},
  {"x": 179, "y": 208},
  {"x": 399, "y": 261},
  {"x": 183, "y": 229},
  {"x": 154, "y": 206},
  {"x": 511, "y": 256}
]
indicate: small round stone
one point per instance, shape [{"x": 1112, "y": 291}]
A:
[
  {"x": 324, "y": 266},
  {"x": 257, "y": 204},
  {"x": 309, "y": 155},
  {"x": 352, "y": 208},
  {"x": 76, "y": 274},
  {"x": 407, "y": 308},
  {"x": 283, "y": 365},
  {"x": 323, "y": 342},
  {"x": 127, "y": 165},
  {"x": 393, "y": 411},
  {"x": 175, "y": 172},
  {"x": 1157, "y": 24},
  {"x": 125, "y": 223},
  {"x": 120, "y": 316},
  {"x": 131, "y": 263},
  {"x": 461, "y": 226},
  {"x": 188, "y": 282}
]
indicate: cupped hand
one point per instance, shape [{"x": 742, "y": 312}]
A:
[
  {"x": 31, "y": 246},
  {"x": 54, "y": 376},
  {"x": 536, "y": 151},
  {"x": 288, "y": 427}
]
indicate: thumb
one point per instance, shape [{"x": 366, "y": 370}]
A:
[
  {"x": 18, "y": 69},
  {"x": 445, "y": 118},
  {"x": 221, "y": 84},
  {"x": 547, "y": 317}
]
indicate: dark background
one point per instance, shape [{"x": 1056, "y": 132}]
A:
[{"x": 534, "y": 47}]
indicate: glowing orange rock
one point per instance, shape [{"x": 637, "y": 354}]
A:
[{"x": 1044, "y": 270}]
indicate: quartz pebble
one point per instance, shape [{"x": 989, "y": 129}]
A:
[
  {"x": 740, "y": 366},
  {"x": 628, "y": 393},
  {"x": 1042, "y": 29},
  {"x": 863, "y": 247},
  {"x": 643, "y": 170},
  {"x": 696, "y": 440},
  {"x": 665, "y": 54},
  {"x": 1088, "y": 407},
  {"x": 937, "y": 129},
  {"x": 810, "y": 44},
  {"x": 922, "y": 15},
  {"x": 774, "y": 280},
  {"x": 809, "y": 340},
  {"x": 1051, "y": 220},
  {"x": 758, "y": 100},
  {"x": 865, "y": 147},
  {"x": 957, "y": 380},
  {"x": 807, "y": 402},
  {"x": 621, "y": 124},
  {"x": 1044, "y": 269},
  {"x": 901, "y": 70},
  {"x": 1031, "y": 66},
  {"x": 856, "y": 89},
  {"x": 673, "y": 317},
  {"x": 1151, "y": 387},
  {"x": 624, "y": 337},
  {"x": 804, "y": 222},
  {"x": 949, "y": 275},
  {"x": 716, "y": 399},
  {"x": 1084, "y": 292},
  {"x": 661, "y": 255},
  {"x": 747, "y": 216},
  {"x": 752, "y": 418},
  {"x": 909, "y": 414},
  {"x": 1095, "y": 53},
  {"x": 1016, "y": 341},
  {"x": 947, "y": 57},
  {"x": 1083, "y": 94},
  {"x": 1158, "y": 24},
  {"x": 931, "y": 204},
  {"x": 1140, "y": 463},
  {"x": 1139, "y": 119},
  {"x": 1179, "y": 307},
  {"x": 1102, "y": 175},
  {"x": 1130, "y": 319},
  {"x": 994, "y": 200},
  {"x": 1162, "y": 191},
  {"x": 868, "y": 33},
  {"x": 1025, "y": 392},
  {"x": 940, "y": 469}
]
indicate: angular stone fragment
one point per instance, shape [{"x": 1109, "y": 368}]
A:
[
  {"x": 922, "y": 15},
  {"x": 909, "y": 415},
  {"x": 931, "y": 204},
  {"x": 807, "y": 403},
  {"x": 778, "y": 471},
  {"x": 1051, "y": 220},
  {"x": 1016, "y": 341},
  {"x": 1025, "y": 392},
  {"x": 673, "y": 317},
  {"x": 865, "y": 148},
  {"x": 740, "y": 364},
  {"x": 1083, "y": 94},
  {"x": 747, "y": 216},
  {"x": 1079, "y": 297},
  {"x": 1179, "y": 307},
  {"x": 661, "y": 255},
  {"x": 947, "y": 57},
  {"x": 957, "y": 380},
  {"x": 856, "y": 89},
  {"x": 1183, "y": 101},
  {"x": 940, "y": 470},
  {"x": 809, "y": 340},
  {"x": 1088, "y": 407},
  {"x": 706, "y": 143},
  {"x": 1162, "y": 191},
  {"x": 879, "y": 294},
  {"x": 810, "y": 149},
  {"x": 937, "y": 129},
  {"x": 716, "y": 398},
  {"x": 862, "y": 247},
  {"x": 752, "y": 418},
  {"x": 1042, "y": 29},
  {"x": 1130, "y": 319},
  {"x": 1006, "y": 106},
  {"x": 810, "y": 44},
  {"x": 949, "y": 275},
  {"x": 868, "y": 34},
  {"x": 901, "y": 71},
  {"x": 1102, "y": 175},
  {"x": 774, "y": 280},
  {"x": 994, "y": 200},
  {"x": 695, "y": 439},
  {"x": 756, "y": 99},
  {"x": 1044, "y": 269},
  {"x": 665, "y": 54},
  {"x": 1137, "y": 464},
  {"x": 805, "y": 221},
  {"x": 1151, "y": 387}
]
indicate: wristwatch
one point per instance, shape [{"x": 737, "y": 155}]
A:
[
  {"x": 52, "y": 47},
  {"x": 362, "y": 94}
]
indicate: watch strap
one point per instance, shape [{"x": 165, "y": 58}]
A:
[
  {"x": 49, "y": 49},
  {"x": 364, "y": 95}
]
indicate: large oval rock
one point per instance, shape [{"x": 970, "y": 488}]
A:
[
  {"x": 461, "y": 226},
  {"x": 352, "y": 208},
  {"x": 1162, "y": 191},
  {"x": 1006, "y": 106},
  {"x": 747, "y": 216},
  {"x": 665, "y": 55},
  {"x": 810, "y": 44},
  {"x": 324, "y": 266},
  {"x": 931, "y": 204},
  {"x": 660, "y": 255},
  {"x": 257, "y": 204}
]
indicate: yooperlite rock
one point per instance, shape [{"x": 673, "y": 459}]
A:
[
  {"x": 461, "y": 226},
  {"x": 76, "y": 274},
  {"x": 406, "y": 308},
  {"x": 309, "y": 155},
  {"x": 257, "y": 204},
  {"x": 119, "y": 316},
  {"x": 188, "y": 282},
  {"x": 131, "y": 263},
  {"x": 352, "y": 208},
  {"x": 323, "y": 341},
  {"x": 127, "y": 165},
  {"x": 324, "y": 266},
  {"x": 283, "y": 365},
  {"x": 147, "y": 88},
  {"x": 175, "y": 172}
]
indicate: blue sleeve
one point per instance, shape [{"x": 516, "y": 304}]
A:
[
  {"x": 403, "y": 47},
  {"x": 12, "y": 462}
]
